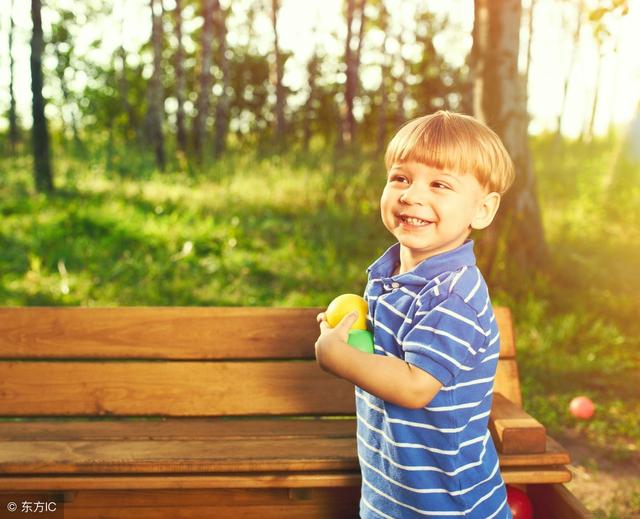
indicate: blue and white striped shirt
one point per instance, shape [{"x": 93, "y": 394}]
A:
[{"x": 440, "y": 460}]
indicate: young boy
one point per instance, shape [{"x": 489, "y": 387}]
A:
[{"x": 423, "y": 400}]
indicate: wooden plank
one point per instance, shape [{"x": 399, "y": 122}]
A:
[
  {"x": 507, "y": 335},
  {"x": 539, "y": 475},
  {"x": 186, "y": 481},
  {"x": 319, "y": 503},
  {"x": 206, "y": 429},
  {"x": 554, "y": 454},
  {"x": 513, "y": 430},
  {"x": 171, "y": 389},
  {"x": 192, "y": 456},
  {"x": 508, "y": 380},
  {"x": 556, "y": 502},
  {"x": 158, "y": 333},
  {"x": 179, "y": 333}
]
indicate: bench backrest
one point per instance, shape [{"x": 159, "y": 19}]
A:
[{"x": 186, "y": 361}]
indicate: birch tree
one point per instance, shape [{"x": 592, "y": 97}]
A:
[
  {"x": 500, "y": 101},
  {"x": 205, "y": 79}
]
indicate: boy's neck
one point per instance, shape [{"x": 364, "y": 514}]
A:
[{"x": 409, "y": 261}]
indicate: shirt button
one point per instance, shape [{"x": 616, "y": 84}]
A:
[{"x": 395, "y": 285}]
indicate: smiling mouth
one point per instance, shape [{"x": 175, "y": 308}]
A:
[{"x": 413, "y": 221}]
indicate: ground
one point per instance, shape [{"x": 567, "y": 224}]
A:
[{"x": 605, "y": 478}]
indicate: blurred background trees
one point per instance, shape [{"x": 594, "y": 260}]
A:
[{"x": 212, "y": 77}]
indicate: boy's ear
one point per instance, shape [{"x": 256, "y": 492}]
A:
[{"x": 486, "y": 211}]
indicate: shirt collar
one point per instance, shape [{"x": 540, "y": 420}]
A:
[{"x": 426, "y": 270}]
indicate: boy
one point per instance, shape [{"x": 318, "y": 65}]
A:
[{"x": 423, "y": 400}]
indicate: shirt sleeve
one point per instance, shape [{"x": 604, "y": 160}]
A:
[{"x": 444, "y": 340}]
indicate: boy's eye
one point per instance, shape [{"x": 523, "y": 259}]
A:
[
  {"x": 398, "y": 178},
  {"x": 440, "y": 185}
]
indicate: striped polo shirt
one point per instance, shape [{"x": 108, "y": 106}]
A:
[{"x": 439, "y": 460}]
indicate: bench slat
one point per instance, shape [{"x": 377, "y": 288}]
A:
[
  {"x": 513, "y": 430},
  {"x": 181, "y": 456},
  {"x": 178, "y": 429},
  {"x": 140, "y": 448},
  {"x": 508, "y": 380},
  {"x": 261, "y": 503},
  {"x": 326, "y": 479},
  {"x": 158, "y": 332},
  {"x": 180, "y": 333},
  {"x": 171, "y": 389},
  {"x": 544, "y": 475}
]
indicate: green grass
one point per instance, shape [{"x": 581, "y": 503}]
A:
[{"x": 297, "y": 230}]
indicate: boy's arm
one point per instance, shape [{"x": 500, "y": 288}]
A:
[{"x": 389, "y": 378}]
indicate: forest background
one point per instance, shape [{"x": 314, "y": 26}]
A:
[{"x": 209, "y": 152}]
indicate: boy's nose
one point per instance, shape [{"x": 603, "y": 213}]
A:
[{"x": 412, "y": 196}]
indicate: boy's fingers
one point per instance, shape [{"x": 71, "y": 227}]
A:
[{"x": 348, "y": 321}]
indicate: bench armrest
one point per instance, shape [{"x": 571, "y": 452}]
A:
[{"x": 513, "y": 430}]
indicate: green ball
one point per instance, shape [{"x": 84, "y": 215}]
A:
[{"x": 361, "y": 340}]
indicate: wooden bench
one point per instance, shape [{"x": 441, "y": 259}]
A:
[{"x": 208, "y": 412}]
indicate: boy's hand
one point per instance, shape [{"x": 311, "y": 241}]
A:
[{"x": 331, "y": 340}]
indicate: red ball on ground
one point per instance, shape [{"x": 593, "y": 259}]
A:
[
  {"x": 519, "y": 503},
  {"x": 582, "y": 407}
]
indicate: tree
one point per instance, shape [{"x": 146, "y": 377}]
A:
[
  {"x": 352, "y": 63},
  {"x": 14, "y": 134},
  {"x": 574, "y": 56},
  {"x": 63, "y": 43},
  {"x": 156, "y": 94},
  {"x": 181, "y": 134},
  {"x": 500, "y": 101},
  {"x": 40, "y": 133},
  {"x": 313, "y": 73},
  {"x": 222, "y": 106},
  {"x": 278, "y": 72},
  {"x": 205, "y": 79}
]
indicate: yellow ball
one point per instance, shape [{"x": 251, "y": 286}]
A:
[{"x": 345, "y": 304}]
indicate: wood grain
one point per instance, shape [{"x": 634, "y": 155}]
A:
[
  {"x": 179, "y": 333},
  {"x": 513, "y": 430},
  {"x": 507, "y": 381},
  {"x": 171, "y": 389}
]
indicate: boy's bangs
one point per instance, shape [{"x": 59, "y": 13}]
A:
[{"x": 440, "y": 146}]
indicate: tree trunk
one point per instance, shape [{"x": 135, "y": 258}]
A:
[
  {"x": 572, "y": 62},
  {"x": 500, "y": 101},
  {"x": 205, "y": 80},
  {"x": 529, "y": 39},
  {"x": 352, "y": 61},
  {"x": 156, "y": 94},
  {"x": 14, "y": 133},
  {"x": 181, "y": 133},
  {"x": 381, "y": 137},
  {"x": 588, "y": 134},
  {"x": 277, "y": 76},
  {"x": 222, "y": 107},
  {"x": 313, "y": 71},
  {"x": 123, "y": 86},
  {"x": 40, "y": 132},
  {"x": 402, "y": 92}
]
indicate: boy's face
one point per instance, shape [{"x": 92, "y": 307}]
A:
[{"x": 431, "y": 211}]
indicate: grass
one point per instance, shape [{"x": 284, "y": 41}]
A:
[{"x": 297, "y": 230}]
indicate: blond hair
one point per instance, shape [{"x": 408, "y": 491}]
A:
[{"x": 455, "y": 142}]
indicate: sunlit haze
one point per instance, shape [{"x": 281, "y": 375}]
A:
[{"x": 305, "y": 25}]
